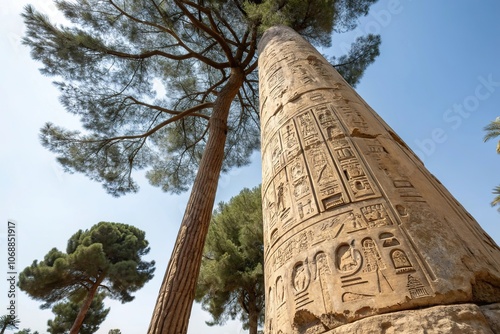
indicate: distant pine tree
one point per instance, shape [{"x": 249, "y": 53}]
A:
[
  {"x": 107, "y": 256},
  {"x": 231, "y": 281}
]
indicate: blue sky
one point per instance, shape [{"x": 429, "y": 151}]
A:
[{"x": 436, "y": 83}]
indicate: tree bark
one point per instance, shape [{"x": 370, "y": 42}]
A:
[
  {"x": 253, "y": 314},
  {"x": 86, "y": 305},
  {"x": 176, "y": 296}
]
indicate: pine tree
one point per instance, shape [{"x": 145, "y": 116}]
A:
[
  {"x": 231, "y": 281},
  {"x": 107, "y": 256}
]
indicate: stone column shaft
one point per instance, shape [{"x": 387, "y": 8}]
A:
[{"x": 354, "y": 224}]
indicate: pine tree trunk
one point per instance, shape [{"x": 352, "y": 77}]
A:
[
  {"x": 176, "y": 296},
  {"x": 85, "y": 306},
  {"x": 253, "y": 313}
]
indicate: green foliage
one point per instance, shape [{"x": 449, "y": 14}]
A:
[
  {"x": 8, "y": 322},
  {"x": 115, "y": 331},
  {"x": 67, "y": 311},
  {"x": 496, "y": 200},
  {"x": 231, "y": 281},
  {"x": 111, "y": 56},
  {"x": 363, "y": 52},
  {"x": 109, "y": 250},
  {"x": 493, "y": 131},
  {"x": 314, "y": 19},
  {"x": 27, "y": 331}
]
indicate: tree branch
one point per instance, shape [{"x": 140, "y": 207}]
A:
[
  {"x": 202, "y": 26},
  {"x": 173, "y": 112},
  {"x": 190, "y": 53}
]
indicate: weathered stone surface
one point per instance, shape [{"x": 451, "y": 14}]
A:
[
  {"x": 492, "y": 314},
  {"x": 354, "y": 224},
  {"x": 452, "y": 319}
]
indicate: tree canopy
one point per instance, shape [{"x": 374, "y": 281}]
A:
[
  {"x": 231, "y": 281},
  {"x": 115, "y": 331},
  {"x": 143, "y": 77},
  {"x": 27, "y": 331},
  {"x": 107, "y": 256}
]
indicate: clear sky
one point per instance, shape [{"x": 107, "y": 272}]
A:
[{"x": 436, "y": 83}]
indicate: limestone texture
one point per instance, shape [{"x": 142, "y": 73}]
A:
[
  {"x": 492, "y": 315},
  {"x": 354, "y": 224},
  {"x": 452, "y": 319}
]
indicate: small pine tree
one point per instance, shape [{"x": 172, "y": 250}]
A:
[
  {"x": 107, "y": 256},
  {"x": 231, "y": 281}
]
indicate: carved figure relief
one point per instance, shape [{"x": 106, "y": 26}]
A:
[
  {"x": 280, "y": 291},
  {"x": 283, "y": 200},
  {"x": 269, "y": 309},
  {"x": 290, "y": 141},
  {"x": 352, "y": 170},
  {"x": 301, "y": 277},
  {"x": 376, "y": 215},
  {"x": 297, "y": 170},
  {"x": 348, "y": 258},
  {"x": 333, "y": 131},
  {"x": 354, "y": 222},
  {"x": 372, "y": 258},
  {"x": 281, "y": 197},
  {"x": 276, "y": 153}
]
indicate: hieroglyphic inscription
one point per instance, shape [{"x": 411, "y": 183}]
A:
[
  {"x": 416, "y": 288},
  {"x": 291, "y": 248},
  {"x": 373, "y": 260},
  {"x": 362, "y": 268},
  {"x": 323, "y": 274},
  {"x": 338, "y": 199}
]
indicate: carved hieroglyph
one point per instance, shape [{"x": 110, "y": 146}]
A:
[{"x": 354, "y": 224}]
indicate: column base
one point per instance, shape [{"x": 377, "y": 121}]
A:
[{"x": 449, "y": 319}]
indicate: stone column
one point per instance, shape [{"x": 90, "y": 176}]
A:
[{"x": 354, "y": 225}]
